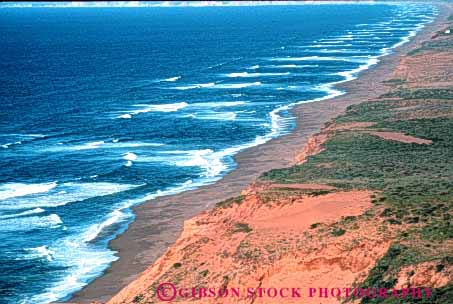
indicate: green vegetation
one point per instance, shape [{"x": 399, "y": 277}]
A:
[
  {"x": 138, "y": 298},
  {"x": 230, "y": 202},
  {"x": 338, "y": 232},
  {"x": 421, "y": 94},
  {"x": 204, "y": 273},
  {"x": 395, "y": 81},
  {"x": 177, "y": 265},
  {"x": 285, "y": 195},
  {"x": 349, "y": 218},
  {"x": 315, "y": 225},
  {"x": 389, "y": 264},
  {"x": 438, "y": 230},
  {"x": 438, "y": 296},
  {"x": 245, "y": 251},
  {"x": 242, "y": 227},
  {"x": 377, "y": 274}
]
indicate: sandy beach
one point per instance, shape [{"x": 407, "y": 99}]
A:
[{"x": 159, "y": 222}]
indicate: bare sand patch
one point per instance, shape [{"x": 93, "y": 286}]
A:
[
  {"x": 350, "y": 126},
  {"x": 396, "y": 136},
  {"x": 309, "y": 210},
  {"x": 429, "y": 69},
  {"x": 303, "y": 186}
]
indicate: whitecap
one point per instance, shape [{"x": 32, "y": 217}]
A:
[
  {"x": 39, "y": 253},
  {"x": 214, "y": 116},
  {"x": 237, "y": 85},
  {"x": 63, "y": 194},
  {"x": 89, "y": 145},
  {"x": 7, "y": 145},
  {"x": 195, "y": 86},
  {"x": 325, "y": 41},
  {"x": 330, "y": 90},
  {"x": 115, "y": 144},
  {"x": 292, "y": 66},
  {"x": 242, "y": 74},
  {"x": 351, "y": 74},
  {"x": 93, "y": 231},
  {"x": 131, "y": 144},
  {"x": 206, "y": 159},
  {"x": 338, "y": 51},
  {"x": 19, "y": 139},
  {"x": 27, "y": 223},
  {"x": 172, "y": 107},
  {"x": 322, "y": 58},
  {"x": 219, "y": 104},
  {"x": 146, "y": 108},
  {"x": 11, "y": 190},
  {"x": 325, "y": 45},
  {"x": 187, "y": 185},
  {"x": 172, "y": 79},
  {"x": 28, "y": 212},
  {"x": 129, "y": 156},
  {"x": 245, "y": 74},
  {"x": 125, "y": 116},
  {"x": 81, "y": 262}
]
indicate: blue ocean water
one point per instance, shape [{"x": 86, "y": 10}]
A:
[{"x": 104, "y": 108}]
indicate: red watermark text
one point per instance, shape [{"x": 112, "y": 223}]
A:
[{"x": 169, "y": 292}]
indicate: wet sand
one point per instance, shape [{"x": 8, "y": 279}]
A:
[{"x": 159, "y": 222}]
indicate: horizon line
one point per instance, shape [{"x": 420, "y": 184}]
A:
[{"x": 138, "y": 4}]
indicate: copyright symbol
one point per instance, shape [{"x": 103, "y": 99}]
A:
[{"x": 166, "y": 292}]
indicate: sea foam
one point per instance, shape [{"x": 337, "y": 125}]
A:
[
  {"x": 114, "y": 144},
  {"x": 172, "y": 79},
  {"x": 237, "y": 85},
  {"x": 211, "y": 115},
  {"x": 146, "y": 108},
  {"x": 130, "y": 157},
  {"x": 246, "y": 74},
  {"x": 27, "y": 223},
  {"x": 219, "y": 104},
  {"x": 40, "y": 253},
  {"x": 11, "y": 190},
  {"x": 63, "y": 194},
  {"x": 24, "y": 213},
  {"x": 195, "y": 86}
]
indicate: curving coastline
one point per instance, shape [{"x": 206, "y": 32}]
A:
[{"x": 159, "y": 223}]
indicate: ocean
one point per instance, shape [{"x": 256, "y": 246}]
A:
[{"x": 105, "y": 108}]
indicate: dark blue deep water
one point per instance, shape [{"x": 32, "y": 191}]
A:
[{"x": 104, "y": 108}]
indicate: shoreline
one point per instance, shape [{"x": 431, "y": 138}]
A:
[{"x": 158, "y": 223}]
